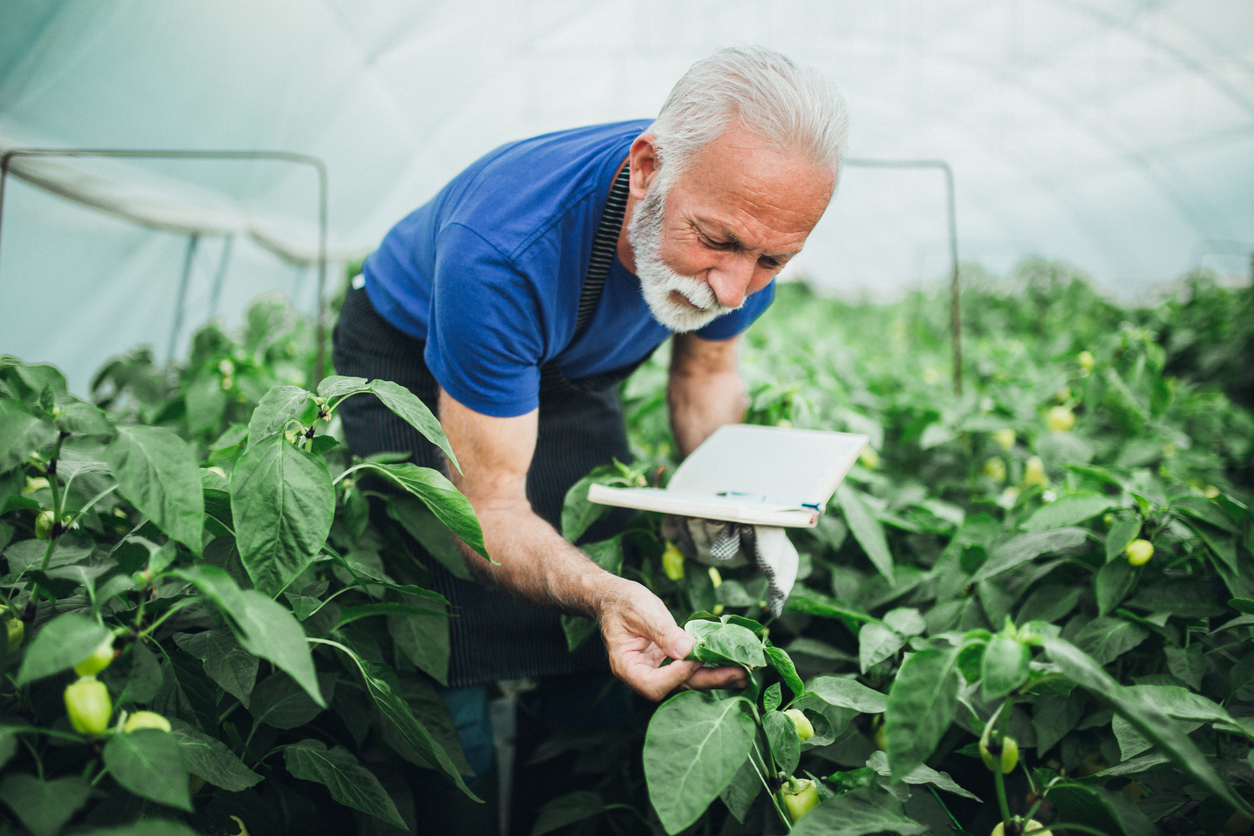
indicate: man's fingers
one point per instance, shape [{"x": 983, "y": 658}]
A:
[{"x": 656, "y": 683}]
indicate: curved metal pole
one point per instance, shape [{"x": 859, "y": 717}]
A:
[
  {"x": 955, "y": 308},
  {"x": 281, "y": 156}
]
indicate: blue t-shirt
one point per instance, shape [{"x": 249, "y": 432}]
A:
[{"x": 489, "y": 273}]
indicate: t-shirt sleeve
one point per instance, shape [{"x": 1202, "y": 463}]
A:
[
  {"x": 485, "y": 338},
  {"x": 738, "y": 321}
]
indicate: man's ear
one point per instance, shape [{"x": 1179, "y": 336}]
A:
[{"x": 644, "y": 164}]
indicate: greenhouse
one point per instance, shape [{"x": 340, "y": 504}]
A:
[{"x": 760, "y": 417}]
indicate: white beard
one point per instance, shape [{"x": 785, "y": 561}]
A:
[{"x": 658, "y": 281}]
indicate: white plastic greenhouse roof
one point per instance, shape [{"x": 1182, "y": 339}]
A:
[{"x": 1116, "y": 135}]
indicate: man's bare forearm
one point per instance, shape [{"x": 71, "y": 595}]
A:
[{"x": 705, "y": 390}]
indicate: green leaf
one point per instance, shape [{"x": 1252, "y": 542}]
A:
[
  {"x": 394, "y": 709},
  {"x": 1099, "y": 808},
  {"x": 283, "y": 504},
  {"x": 725, "y": 644},
  {"x": 414, "y": 412},
  {"x": 1005, "y": 667},
  {"x": 417, "y": 519},
  {"x": 340, "y": 386},
  {"x": 206, "y": 404},
  {"x": 157, "y": 471},
  {"x": 787, "y": 671},
  {"x": 61, "y": 643},
  {"x": 781, "y": 734},
  {"x": 922, "y": 774},
  {"x": 145, "y": 678},
  {"x": 859, "y": 812},
  {"x": 577, "y": 629},
  {"x": 432, "y": 713},
  {"x": 44, "y": 806},
  {"x": 921, "y": 705},
  {"x": 1187, "y": 663},
  {"x": 226, "y": 662},
  {"x": 1123, "y": 532},
  {"x": 578, "y": 514},
  {"x": 740, "y": 794},
  {"x": 866, "y": 529},
  {"x": 1144, "y": 715},
  {"x": 150, "y": 763},
  {"x": 1069, "y": 510},
  {"x": 1106, "y": 639},
  {"x": 847, "y": 693},
  {"x": 693, "y": 748},
  {"x": 210, "y": 758},
  {"x": 424, "y": 639},
  {"x": 263, "y": 627},
  {"x": 772, "y": 697},
  {"x": 1027, "y": 547},
  {"x": 280, "y": 702},
  {"x": 21, "y": 433},
  {"x": 276, "y": 407},
  {"x": 809, "y": 602},
  {"x": 1111, "y": 585},
  {"x": 437, "y": 493},
  {"x": 349, "y": 782},
  {"x": 1053, "y": 716},
  {"x": 1051, "y": 602},
  {"x": 877, "y": 642},
  {"x": 568, "y": 809}
]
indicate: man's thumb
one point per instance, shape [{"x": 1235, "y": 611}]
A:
[{"x": 678, "y": 643}]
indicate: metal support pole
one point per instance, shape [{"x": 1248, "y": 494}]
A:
[
  {"x": 955, "y": 307},
  {"x": 215, "y": 293},
  {"x": 181, "y": 303},
  {"x": 280, "y": 156}
]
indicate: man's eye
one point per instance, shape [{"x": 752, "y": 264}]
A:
[
  {"x": 717, "y": 245},
  {"x": 769, "y": 263}
]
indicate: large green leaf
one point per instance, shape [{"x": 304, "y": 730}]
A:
[
  {"x": 719, "y": 643},
  {"x": 44, "y": 806},
  {"x": 847, "y": 693},
  {"x": 21, "y": 433},
  {"x": 276, "y": 407},
  {"x": 877, "y": 642},
  {"x": 226, "y": 662},
  {"x": 339, "y": 386},
  {"x": 157, "y": 471},
  {"x": 280, "y": 702},
  {"x": 1144, "y": 715},
  {"x": 264, "y": 627},
  {"x": 150, "y": 763},
  {"x": 693, "y": 748},
  {"x": 568, "y": 809},
  {"x": 921, "y": 706},
  {"x": 348, "y": 781},
  {"x": 407, "y": 405},
  {"x": 1003, "y": 667},
  {"x": 781, "y": 734},
  {"x": 922, "y": 774},
  {"x": 1106, "y": 639},
  {"x": 380, "y": 683},
  {"x": 859, "y": 812},
  {"x": 1027, "y": 547},
  {"x": 866, "y": 529},
  {"x": 1069, "y": 510},
  {"x": 283, "y": 504},
  {"x": 424, "y": 639},
  {"x": 783, "y": 665},
  {"x": 211, "y": 759},
  {"x": 61, "y": 643},
  {"x": 437, "y": 493},
  {"x": 423, "y": 525}
]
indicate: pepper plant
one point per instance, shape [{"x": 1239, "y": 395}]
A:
[{"x": 203, "y": 636}]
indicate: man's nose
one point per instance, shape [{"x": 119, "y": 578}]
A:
[{"x": 732, "y": 278}]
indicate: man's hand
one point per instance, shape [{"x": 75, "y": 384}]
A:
[
  {"x": 640, "y": 635},
  {"x": 536, "y": 563}
]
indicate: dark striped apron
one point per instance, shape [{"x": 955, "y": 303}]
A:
[{"x": 497, "y": 636}]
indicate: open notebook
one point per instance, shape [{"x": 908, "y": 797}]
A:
[{"x": 750, "y": 474}]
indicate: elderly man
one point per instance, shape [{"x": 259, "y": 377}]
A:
[{"x": 536, "y": 280}]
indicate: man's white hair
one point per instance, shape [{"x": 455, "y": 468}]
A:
[{"x": 792, "y": 108}]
